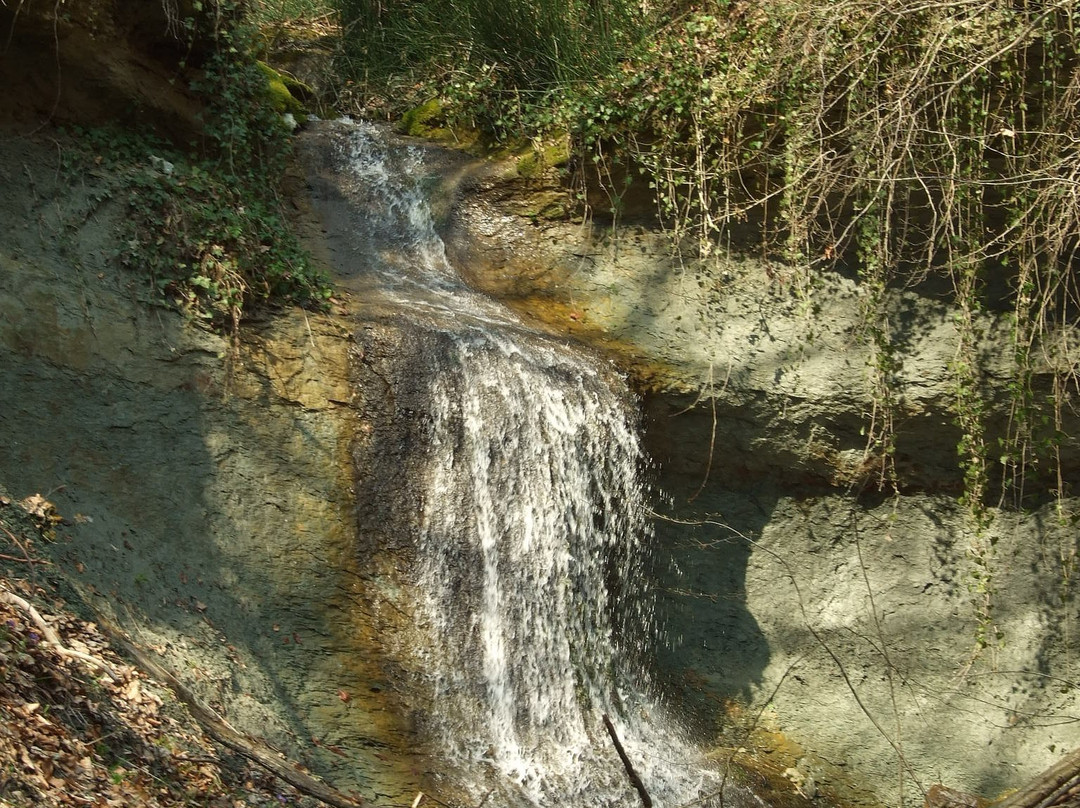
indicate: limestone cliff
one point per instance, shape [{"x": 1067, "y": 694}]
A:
[
  {"x": 206, "y": 486},
  {"x": 205, "y": 483}
]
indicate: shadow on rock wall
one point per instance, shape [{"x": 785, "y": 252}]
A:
[{"x": 703, "y": 604}]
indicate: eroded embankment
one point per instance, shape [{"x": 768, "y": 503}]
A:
[
  {"x": 206, "y": 486},
  {"x": 210, "y": 495}
]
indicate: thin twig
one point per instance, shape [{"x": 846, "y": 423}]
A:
[{"x": 6, "y": 557}]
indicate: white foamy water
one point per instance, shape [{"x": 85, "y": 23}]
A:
[{"x": 533, "y": 603}]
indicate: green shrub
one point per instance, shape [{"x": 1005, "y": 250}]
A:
[{"x": 206, "y": 226}]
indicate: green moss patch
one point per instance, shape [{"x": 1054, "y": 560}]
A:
[
  {"x": 280, "y": 89},
  {"x": 540, "y": 157},
  {"x": 427, "y": 121}
]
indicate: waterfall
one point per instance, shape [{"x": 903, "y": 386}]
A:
[
  {"x": 534, "y": 509},
  {"x": 532, "y": 606}
]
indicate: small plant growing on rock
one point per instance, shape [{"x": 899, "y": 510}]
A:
[{"x": 206, "y": 227}]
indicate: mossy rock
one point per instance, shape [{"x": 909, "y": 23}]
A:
[
  {"x": 542, "y": 156},
  {"x": 298, "y": 89},
  {"x": 547, "y": 205},
  {"x": 427, "y": 121},
  {"x": 281, "y": 97}
]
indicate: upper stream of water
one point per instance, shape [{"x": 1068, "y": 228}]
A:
[{"x": 531, "y": 598}]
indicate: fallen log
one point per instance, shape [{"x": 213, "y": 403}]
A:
[
  {"x": 218, "y": 729},
  {"x": 1050, "y": 788}
]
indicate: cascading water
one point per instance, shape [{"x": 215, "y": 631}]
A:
[
  {"x": 531, "y": 543},
  {"x": 530, "y": 590}
]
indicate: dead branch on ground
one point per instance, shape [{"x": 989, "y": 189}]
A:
[
  {"x": 217, "y": 728},
  {"x": 50, "y": 635}
]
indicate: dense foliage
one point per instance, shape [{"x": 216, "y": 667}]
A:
[
  {"x": 204, "y": 219},
  {"x": 906, "y": 139}
]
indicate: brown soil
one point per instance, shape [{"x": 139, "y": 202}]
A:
[{"x": 96, "y": 61}]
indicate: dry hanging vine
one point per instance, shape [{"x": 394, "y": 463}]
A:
[{"x": 920, "y": 143}]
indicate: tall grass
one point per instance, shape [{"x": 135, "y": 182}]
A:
[
  {"x": 531, "y": 44},
  {"x": 276, "y": 12}
]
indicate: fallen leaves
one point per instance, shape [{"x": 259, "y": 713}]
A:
[
  {"x": 40, "y": 508},
  {"x": 71, "y": 736},
  {"x": 71, "y": 731}
]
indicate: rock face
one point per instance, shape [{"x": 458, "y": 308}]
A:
[
  {"x": 807, "y": 601},
  {"x": 100, "y": 61},
  {"x": 207, "y": 487}
]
